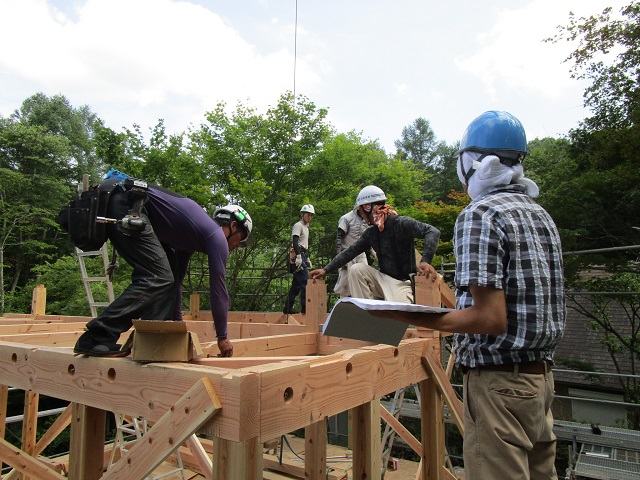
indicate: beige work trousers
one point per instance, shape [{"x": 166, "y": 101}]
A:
[
  {"x": 508, "y": 426},
  {"x": 367, "y": 282}
]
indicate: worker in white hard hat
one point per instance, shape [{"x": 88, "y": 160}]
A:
[
  {"x": 299, "y": 263},
  {"x": 392, "y": 238},
  {"x": 351, "y": 226}
]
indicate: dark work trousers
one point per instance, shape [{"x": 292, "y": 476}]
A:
[
  {"x": 299, "y": 286},
  {"x": 151, "y": 294}
]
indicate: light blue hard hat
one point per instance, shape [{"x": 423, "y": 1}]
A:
[{"x": 496, "y": 132}]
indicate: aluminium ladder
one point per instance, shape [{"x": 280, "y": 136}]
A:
[{"x": 87, "y": 281}]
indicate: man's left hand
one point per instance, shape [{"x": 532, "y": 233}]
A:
[{"x": 428, "y": 271}]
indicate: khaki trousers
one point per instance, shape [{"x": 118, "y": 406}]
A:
[
  {"x": 508, "y": 426},
  {"x": 367, "y": 282}
]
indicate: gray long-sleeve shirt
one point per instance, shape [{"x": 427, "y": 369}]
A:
[{"x": 394, "y": 246}]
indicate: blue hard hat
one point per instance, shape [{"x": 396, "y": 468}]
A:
[{"x": 495, "y": 132}]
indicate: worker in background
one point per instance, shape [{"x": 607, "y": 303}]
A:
[
  {"x": 391, "y": 237},
  {"x": 510, "y": 313},
  {"x": 173, "y": 228},
  {"x": 299, "y": 263},
  {"x": 351, "y": 226}
]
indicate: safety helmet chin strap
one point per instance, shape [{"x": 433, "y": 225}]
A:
[{"x": 468, "y": 173}]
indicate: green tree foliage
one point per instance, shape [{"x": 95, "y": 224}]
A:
[
  {"x": 33, "y": 169},
  {"x": 601, "y": 179},
  {"x": 436, "y": 159}
]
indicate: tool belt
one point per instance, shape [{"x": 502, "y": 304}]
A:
[
  {"x": 292, "y": 268},
  {"x": 79, "y": 217}
]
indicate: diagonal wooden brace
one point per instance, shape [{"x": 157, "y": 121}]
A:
[
  {"x": 25, "y": 463},
  {"x": 58, "y": 426},
  {"x": 196, "y": 406},
  {"x": 432, "y": 365}
]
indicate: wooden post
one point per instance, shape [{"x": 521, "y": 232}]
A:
[
  {"x": 237, "y": 460},
  {"x": 30, "y": 424},
  {"x": 367, "y": 455},
  {"x": 38, "y": 301},
  {"x": 86, "y": 454},
  {"x": 4, "y": 398},
  {"x": 315, "y": 451},
  {"x": 194, "y": 305},
  {"x": 432, "y": 428},
  {"x": 316, "y": 309}
]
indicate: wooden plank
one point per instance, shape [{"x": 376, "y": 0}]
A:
[
  {"x": 253, "y": 330},
  {"x": 195, "y": 407},
  {"x": 401, "y": 430},
  {"x": 25, "y": 463},
  {"x": 365, "y": 428},
  {"x": 51, "y": 339},
  {"x": 87, "y": 442},
  {"x": 276, "y": 345},
  {"x": 237, "y": 460},
  {"x": 23, "y": 328},
  {"x": 315, "y": 450}
]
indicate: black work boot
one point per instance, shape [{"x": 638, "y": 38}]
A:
[{"x": 288, "y": 308}]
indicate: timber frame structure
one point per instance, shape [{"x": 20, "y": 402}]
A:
[{"x": 284, "y": 376}]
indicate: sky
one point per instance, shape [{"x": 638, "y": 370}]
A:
[{"x": 376, "y": 65}]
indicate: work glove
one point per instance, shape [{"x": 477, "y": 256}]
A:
[{"x": 298, "y": 260}]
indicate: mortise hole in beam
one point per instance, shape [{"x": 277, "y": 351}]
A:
[
  {"x": 349, "y": 369},
  {"x": 14, "y": 357},
  {"x": 396, "y": 352},
  {"x": 71, "y": 369},
  {"x": 111, "y": 374},
  {"x": 288, "y": 395}
]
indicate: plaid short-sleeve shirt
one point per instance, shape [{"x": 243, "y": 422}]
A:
[{"x": 505, "y": 240}]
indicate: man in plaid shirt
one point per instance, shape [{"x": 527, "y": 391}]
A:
[{"x": 510, "y": 311}]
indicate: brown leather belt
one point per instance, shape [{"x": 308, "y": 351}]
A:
[{"x": 538, "y": 367}]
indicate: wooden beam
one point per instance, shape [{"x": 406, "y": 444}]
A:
[
  {"x": 26, "y": 464},
  {"x": 87, "y": 442},
  {"x": 365, "y": 428},
  {"x": 196, "y": 406},
  {"x": 315, "y": 450}
]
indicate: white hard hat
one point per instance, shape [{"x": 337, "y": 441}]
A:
[
  {"x": 370, "y": 194},
  {"x": 308, "y": 208},
  {"x": 233, "y": 212}
]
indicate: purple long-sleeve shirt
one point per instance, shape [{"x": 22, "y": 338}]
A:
[{"x": 185, "y": 226}]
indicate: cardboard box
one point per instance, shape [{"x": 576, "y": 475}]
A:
[{"x": 163, "y": 341}]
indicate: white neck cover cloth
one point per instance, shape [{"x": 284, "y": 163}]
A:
[{"x": 490, "y": 173}]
